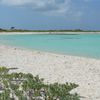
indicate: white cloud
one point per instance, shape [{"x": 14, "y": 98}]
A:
[
  {"x": 50, "y": 7},
  {"x": 15, "y": 2},
  {"x": 25, "y": 2},
  {"x": 59, "y": 6}
]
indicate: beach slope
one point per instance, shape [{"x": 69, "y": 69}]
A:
[{"x": 56, "y": 68}]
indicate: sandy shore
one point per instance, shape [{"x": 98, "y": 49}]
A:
[
  {"x": 9, "y": 33},
  {"x": 56, "y": 68}
]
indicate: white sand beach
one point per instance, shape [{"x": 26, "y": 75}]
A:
[
  {"x": 9, "y": 33},
  {"x": 56, "y": 68}
]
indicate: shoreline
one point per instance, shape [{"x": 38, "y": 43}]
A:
[
  {"x": 56, "y": 68},
  {"x": 48, "y": 33}
]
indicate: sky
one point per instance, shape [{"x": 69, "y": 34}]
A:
[{"x": 50, "y": 14}]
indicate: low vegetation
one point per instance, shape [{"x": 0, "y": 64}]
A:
[
  {"x": 13, "y": 29},
  {"x": 21, "y": 86}
]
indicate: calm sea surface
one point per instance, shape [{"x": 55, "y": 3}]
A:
[{"x": 87, "y": 45}]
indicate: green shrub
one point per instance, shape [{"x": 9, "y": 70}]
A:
[{"x": 26, "y": 86}]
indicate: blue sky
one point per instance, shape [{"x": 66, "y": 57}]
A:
[{"x": 50, "y": 14}]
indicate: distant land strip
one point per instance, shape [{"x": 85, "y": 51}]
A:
[{"x": 22, "y": 30}]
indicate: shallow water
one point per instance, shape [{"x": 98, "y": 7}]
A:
[{"x": 86, "y": 45}]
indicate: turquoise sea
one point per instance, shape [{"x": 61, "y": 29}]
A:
[{"x": 86, "y": 45}]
